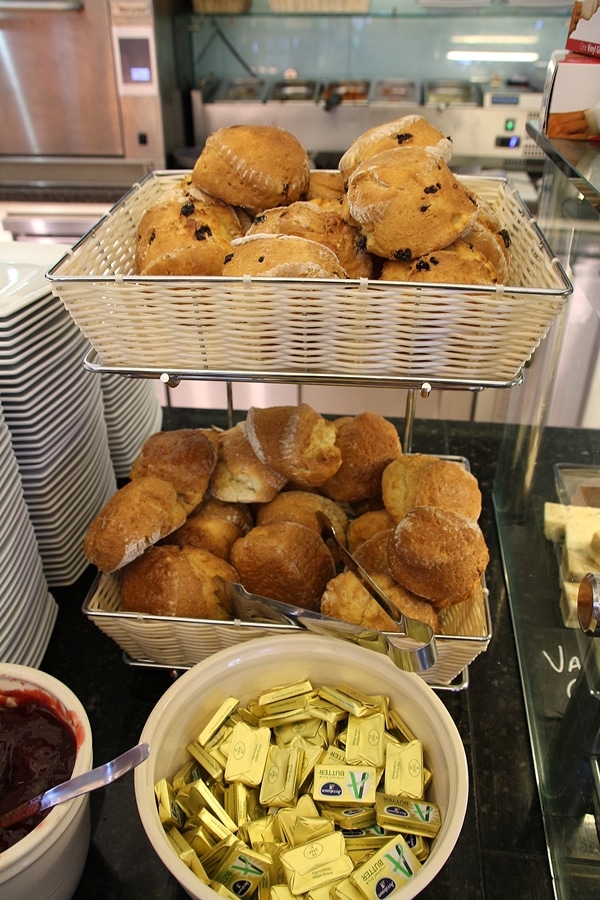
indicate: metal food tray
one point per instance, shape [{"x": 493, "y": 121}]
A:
[{"x": 300, "y": 329}]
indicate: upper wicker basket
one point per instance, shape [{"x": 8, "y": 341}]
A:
[{"x": 309, "y": 327}]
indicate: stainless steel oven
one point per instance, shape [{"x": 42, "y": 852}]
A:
[{"x": 89, "y": 95}]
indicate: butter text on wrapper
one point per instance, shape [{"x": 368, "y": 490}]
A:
[{"x": 387, "y": 871}]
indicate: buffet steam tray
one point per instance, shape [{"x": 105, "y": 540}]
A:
[
  {"x": 181, "y": 642},
  {"x": 310, "y": 327}
]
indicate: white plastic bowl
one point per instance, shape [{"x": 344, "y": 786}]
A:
[
  {"x": 47, "y": 864},
  {"x": 243, "y": 671}
]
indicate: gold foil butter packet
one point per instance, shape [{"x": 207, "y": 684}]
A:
[
  {"x": 364, "y": 740},
  {"x": 248, "y": 754},
  {"x": 310, "y": 865},
  {"x": 404, "y": 770},
  {"x": 388, "y": 871},
  {"x": 344, "y": 784},
  {"x": 410, "y": 816}
]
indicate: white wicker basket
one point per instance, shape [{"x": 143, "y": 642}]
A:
[
  {"x": 310, "y": 326},
  {"x": 320, "y": 6},
  {"x": 180, "y": 643}
]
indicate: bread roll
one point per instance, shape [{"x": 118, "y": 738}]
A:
[
  {"x": 206, "y": 532},
  {"x": 186, "y": 232},
  {"x": 397, "y": 480},
  {"x": 434, "y": 482},
  {"x": 281, "y": 256},
  {"x": 407, "y": 203},
  {"x": 437, "y": 554},
  {"x": 239, "y": 514},
  {"x": 285, "y": 561},
  {"x": 304, "y": 507},
  {"x": 253, "y": 166},
  {"x": 240, "y": 476},
  {"x": 184, "y": 457},
  {"x": 296, "y": 441},
  {"x": 408, "y": 131},
  {"x": 138, "y": 515},
  {"x": 366, "y": 525},
  {"x": 177, "y": 581},
  {"x": 367, "y": 443},
  {"x": 346, "y": 598},
  {"x": 321, "y": 221},
  {"x": 325, "y": 183}
]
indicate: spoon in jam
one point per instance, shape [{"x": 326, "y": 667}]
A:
[{"x": 81, "y": 784}]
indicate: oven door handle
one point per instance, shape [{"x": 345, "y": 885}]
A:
[{"x": 41, "y": 5}]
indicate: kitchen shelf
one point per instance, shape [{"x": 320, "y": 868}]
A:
[{"x": 404, "y": 9}]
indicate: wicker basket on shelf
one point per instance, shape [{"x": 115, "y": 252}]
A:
[
  {"x": 310, "y": 326},
  {"x": 221, "y": 7},
  {"x": 319, "y": 6}
]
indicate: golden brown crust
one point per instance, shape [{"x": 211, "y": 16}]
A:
[
  {"x": 321, "y": 221},
  {"x": 304, "y": 507},
  {"x": 240, "y": 476},
  {"x": 346, "y": 598},
  {"x": 253, "y": 166},
  {"x": 325, "y": 183},
  {"x": 177, "y": 581},
  {"x": 186, "y": 232},
  {"x": 372, "y": 554},
  {"x": 407, "y": 203},
  {"x": 281, "y": 256},
  {"x": 408, "y": 603},
  {"x": 437, "y": 554},
  {"x": 206, "y": 532},
  {"x": 367, "y": 443},
  {"x": 138, "y": 515},
  {"x": 397, "y": 479},
  {"x": 429, "y": 481},
  {"x": 239, "y": 514},
  {"x": 462, "y": 262},
  {"x": 296, "y": 441},
  {"x": 185, "y": 457},
  {"x": 366, "y": 526},
  {"x": 409, "y": 131},
  {"x": 284, "y": 560}
]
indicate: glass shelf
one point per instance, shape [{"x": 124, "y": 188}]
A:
[
  {"x": 559, "y": 665},
  {"x": 409, "y": 9}
]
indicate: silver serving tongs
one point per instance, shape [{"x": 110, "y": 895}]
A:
[{"x": 417, "y": 658}]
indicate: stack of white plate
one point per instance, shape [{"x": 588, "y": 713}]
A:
[
  {"x": 54, "y": 410},
  {"x": 132, "y": 413},
  {"x": 27, "y": 609}
]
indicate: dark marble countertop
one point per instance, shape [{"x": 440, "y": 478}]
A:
[{"x": 501, "y": 851}]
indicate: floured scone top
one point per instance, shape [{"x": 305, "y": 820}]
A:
[
  {"x": 321, "y": 221},
  {"x": 281, "y": 256},
  {"x": 407, "y": 203},
  {"x": 253, "y": 166},
  {"x": 409, "y": 131}
]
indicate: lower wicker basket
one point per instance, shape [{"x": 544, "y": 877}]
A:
[{"x": 181, "y": 643}]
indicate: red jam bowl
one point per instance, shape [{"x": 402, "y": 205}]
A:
[{"x": 48, "y": 859}]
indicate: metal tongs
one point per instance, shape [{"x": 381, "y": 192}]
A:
[{"x": 416, "y": 658}]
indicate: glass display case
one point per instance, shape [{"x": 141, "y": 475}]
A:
[{"x": 547, "y": 506}]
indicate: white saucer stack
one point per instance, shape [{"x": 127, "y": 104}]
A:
[
  {"x": 27, "y": 609},
  {"x": 132, "y": 413},
  {"x": 54, "y": 411}
]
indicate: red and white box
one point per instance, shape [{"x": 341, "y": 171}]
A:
[
  {"x": 584, "y": 28},
  {"x": 571, "y": 102}
]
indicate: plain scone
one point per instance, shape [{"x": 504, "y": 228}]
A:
[
  {"x": 177, "y": 581},
  {"x": 285, "y": 561},
  {"x": 296, "y": 441},
  {"x": 138, "y": 515},
  {"x": 422, "y": 480},
  {"x": 239, "y": 475},
  {"x": 437, "y": 554}
]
